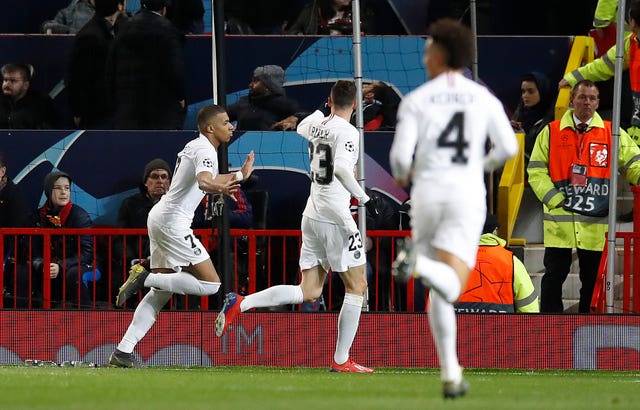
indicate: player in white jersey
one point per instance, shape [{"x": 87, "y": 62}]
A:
[
  {"x": 440, "y": 146},
  {"x": 330, "y": 237},
  {"x": 179, "y": 262}
]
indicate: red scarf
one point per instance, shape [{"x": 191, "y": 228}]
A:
[{"x": 59, "y": 220}]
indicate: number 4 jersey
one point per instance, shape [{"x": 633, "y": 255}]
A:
[
  {"x": 333, "y": 147},
  {"x": 441, "y": 137}
]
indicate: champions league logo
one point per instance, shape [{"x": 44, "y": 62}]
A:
[
  {"x": 349, "y": 146},
  {"x": 207, "y": 163}
]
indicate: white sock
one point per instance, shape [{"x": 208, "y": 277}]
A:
[
  {"x": 143, "y": 318},
  {"x": 181, "y": 283},
  {"x": 273, "y": 296},
  {"x": 440, "y": 277},
  {"x": 348, "y": 321},
  {"x": 442, "y": 321}
]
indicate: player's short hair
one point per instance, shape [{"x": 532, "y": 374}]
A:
[
  {"x": 584, "y": 83},
  {"x": 455, "y": 40},
  {"x": 206, "y": 113},
  {"x": 343, "y": 93}
]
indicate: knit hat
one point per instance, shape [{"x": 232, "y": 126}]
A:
[
  {"x": 272, "y": 76},
  {"x": 157, "y": 163},
  {"x": 51, "y": 179},
  {"x": 490, "y": 223}
]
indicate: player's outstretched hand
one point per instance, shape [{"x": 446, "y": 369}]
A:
[
  {"x": 247, "y": 167},
  {"x": 229, "y": 187}
]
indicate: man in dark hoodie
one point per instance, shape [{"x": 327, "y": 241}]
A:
[{"x": 266, "y": 103}]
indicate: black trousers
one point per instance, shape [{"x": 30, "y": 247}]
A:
[{"x": 557, "y": 262}]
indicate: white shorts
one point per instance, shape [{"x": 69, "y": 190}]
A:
[
  {"x": 173, "y": 247},
  {"x": 454, "y": 227},
  {"x": 328, "y": 245}
]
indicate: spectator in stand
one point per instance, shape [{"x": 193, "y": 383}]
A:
[
  {"x": 145, "y": 71},
  {"x": 71, "y": 255},
  {"x": 500, "y": 282},
  {"x": 569, "y": 173},
  {"x": 258, "y": 17},
  {"x": 535, "y": 108},
  {"x": 13, "y": 214},
  {"x": 266, "y": 103},
  {"x": 22, "y": 107},
  {"x": 86, "y": 72},
  {"x": 134, "y": 210},
  {"x": 330, "y": 17},
  {"x": 379, "y": 107},
  {"x": 70, "y": 19},
  {"x": 187, "y": 16}
]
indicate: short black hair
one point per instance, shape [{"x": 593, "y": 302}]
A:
[
  {"x": 455, "y": 40},
  {"x": 206, "y": 113},
  {"x": 634, "y": 11},
  {"x": 343, "y": 93},
  {"x": 106, "y": 8},
  {"x": 154, "y": 5}
]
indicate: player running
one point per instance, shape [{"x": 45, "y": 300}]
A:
[
  {"x": 440, "y": 145},
  {"x": 330, "y": 237}
]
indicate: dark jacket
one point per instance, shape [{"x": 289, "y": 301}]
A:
[
  {"x": 33, "y": 111},
  {"x": 86, "y": 74},
  {"x": 13, "y": 213},
  {"x": 133, "y": 213},
  {"x": 259, "y": 114},
  {"x": 145, "y": 74},
  {"x": 78, "y": 218},
  {"x": 187, "y": 16}
]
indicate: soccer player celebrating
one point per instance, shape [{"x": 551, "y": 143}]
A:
[
  {"x": 440, "y": 145},
  {"x": 179, "y": 262},
  {"x": 330, "y": 237}
]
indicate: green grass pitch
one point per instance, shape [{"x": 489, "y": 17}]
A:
[{"x": 302, "y": 388}]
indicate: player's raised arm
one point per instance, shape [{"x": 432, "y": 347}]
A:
[{"x": 304, "y": 128}]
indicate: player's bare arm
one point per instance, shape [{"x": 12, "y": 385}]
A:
[{"x": 221, "y": 184}]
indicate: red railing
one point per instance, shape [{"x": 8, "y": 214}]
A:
[
  {"x": 630, "y": 267},
  {"x": 260, "y": 258}
]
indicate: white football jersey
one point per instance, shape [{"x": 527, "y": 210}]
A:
[
  {"x": 329, "y": 138},
  {"x": 183, "y": 197},
  {"x": 441, "y": 137}
]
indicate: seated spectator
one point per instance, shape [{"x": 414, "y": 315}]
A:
[
  {"x": 535, "y": 108},
  {"x": 258, "y": 17},
  {"x": 500, "y": 282},
  {"x": 22, "y": 107},
  {"x": 86, "y": 73},
  {"x": 71, "y": 255},
  {"x": 187, "y": 16},
  {"x": 379, "y": 107},
  {"x": 266, "y": 103},
  {"x": 330, "y": 17},
  {"x": 70, "y": 19},
  {"x": 134, "y": 210},
  {"x": 13, "y": 214}
]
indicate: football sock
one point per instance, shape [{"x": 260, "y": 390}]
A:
[
  {"x": 442, "y": 321},
  {"x": 273, "y": 296},
  {"x": 143, "y": 318},
  {"x": 348, "y": 321},
  {"x": 181, "y": 283},
  {"x": 439, "y": 276}
]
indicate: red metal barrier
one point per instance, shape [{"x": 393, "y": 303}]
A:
[
  {"x": 630, "y": 265},
  {"x": 261, "y": 258}
]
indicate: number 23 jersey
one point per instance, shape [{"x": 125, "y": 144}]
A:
[
  {"x": 329, "y": 138},
  {"x": 441, "y": 136}
]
